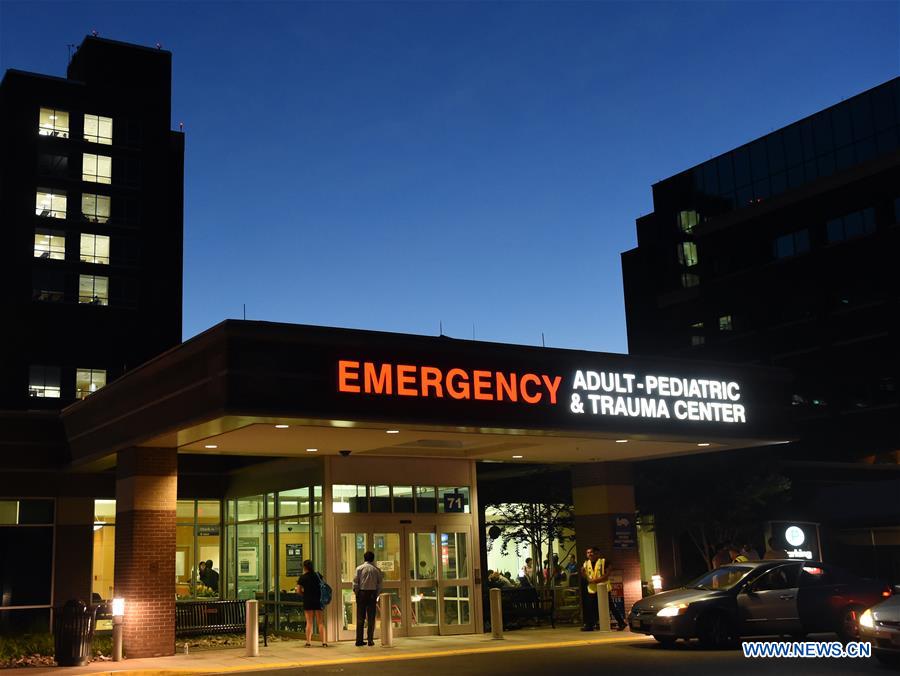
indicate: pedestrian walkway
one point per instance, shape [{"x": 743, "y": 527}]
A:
[{"x": 292, "y": 654}]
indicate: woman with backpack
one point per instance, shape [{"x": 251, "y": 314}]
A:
[{"x": 310, "y": 585}]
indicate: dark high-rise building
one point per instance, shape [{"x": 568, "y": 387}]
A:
[
  {"x": 783, "y": 252},
  {"x": 91, "y": 207}
]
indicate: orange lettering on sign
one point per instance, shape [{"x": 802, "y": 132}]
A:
[
  {"x": 507, "y": 386},
  {"x": 380, "y": 384},
  {"x": 345, "y": 376},
  {"x": 529, "y": 378},
  {"x": 552, "y": 386},
  {"x": 481, "y": 382},
  {"x": 431, "y": 378},
  {"x": 452, "y": 376},
  {"x": 406, "y": 375}
]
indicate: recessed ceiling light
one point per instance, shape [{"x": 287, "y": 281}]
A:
[
  {"x": 704, "y": 444},
  {"x": 621, "y": 441},
  {"x": 518, "y": 457},
  {"x": 311, "y": 450},
  {"x": 210, "y": 446},
  {"x": 281, "y": 427},
  {"x": 392, "y": 431}
]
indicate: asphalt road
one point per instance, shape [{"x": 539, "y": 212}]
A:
[{"x": 626, "y": 658}]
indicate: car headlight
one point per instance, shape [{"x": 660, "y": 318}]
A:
[
  {"x": 866, "y": 620},
  {"x": 672, "y": 611}
]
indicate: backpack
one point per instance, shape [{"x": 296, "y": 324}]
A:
[{"x": 325, "y": 591}]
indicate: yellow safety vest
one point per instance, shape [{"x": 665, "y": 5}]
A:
[{"x": 596, "y": 570}]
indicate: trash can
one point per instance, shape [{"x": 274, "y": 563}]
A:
[{"x": 73, "y": 633}]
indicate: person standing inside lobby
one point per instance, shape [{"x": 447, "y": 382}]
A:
[
  {"x": 595, "y": 579},
  {"x": 367, "y": 586}
]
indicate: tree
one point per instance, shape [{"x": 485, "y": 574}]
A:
[
  {"x": 532, "y": 525},
  {"x": 714, "y": 499}
]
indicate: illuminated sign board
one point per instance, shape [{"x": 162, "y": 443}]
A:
[
  {"x": 798, "y": 540},
  {"x": 584, "y": 393}
]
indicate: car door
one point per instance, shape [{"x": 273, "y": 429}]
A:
[{"x": 768, "y": 605}]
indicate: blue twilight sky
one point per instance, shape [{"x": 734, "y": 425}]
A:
[{"x": 393, "y": 165}]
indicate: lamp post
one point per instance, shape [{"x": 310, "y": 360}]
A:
[{"x": 118, "y": 613}]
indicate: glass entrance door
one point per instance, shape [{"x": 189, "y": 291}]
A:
[{"x": 427, "y": 570}]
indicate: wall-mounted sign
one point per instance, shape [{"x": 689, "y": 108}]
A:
[
  {"x": 385, "y": 566},
  {"x": 293, "y": 559},
  {"x": 799, "y": 540},
  {"x": 579, "y": 393},
  {"x": 624, "y": 532},
  {"x": 454, "y": 502}
]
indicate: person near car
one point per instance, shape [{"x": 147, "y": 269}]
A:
[
  {"x": 774, "y": 552},
  {"x": 367, "y": 586},
  {"x": 595, "y": 577},
  {"x": 310, "y": 585},
  {"x": 750, "y": 552},
  {"x": 736, "y": 555},
  {"x": 722, "y": 557}
]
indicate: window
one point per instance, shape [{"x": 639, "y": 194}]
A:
[
  {"x": 93, "y": 290},
  {"x": 94, "y": 249},
  {"x": 453, "y": 499},
  {"x": 852, "y": 225},
  {"x": 688, "y": 220},
  {"x": 96, "y": 168},
  {"x": 50, "y": 244},
  {"x": 43, "y": 382},
  {"x": 689, "y": 279},
  {"x": 88, "y": 381},
  {"x": 697, "y": 337},
  {"x": 782, "y": 577},
  {"x": 792, "y": 244},
  {"x": 98, "y": 129},
  {"x": 726, "y": 323},
  {"x": 53, "y": 165},
  {"x": 95, "y": 208},
  {"x": 348, "y": 498},
  {"x": 26, "y": 526},
  {"x": 52, "y": 122},
  {"x": 50, "y": 204},
  {"x": 47, "y": 285},
  {"x": 687, "y": 254}
]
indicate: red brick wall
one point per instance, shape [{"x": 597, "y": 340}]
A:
[{"x": 146, "y": 489}]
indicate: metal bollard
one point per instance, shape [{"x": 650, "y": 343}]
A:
[
  {"x": 252, "y": 637},
  {"x": 387, "y": 628},
  {"x": 496, "y": 613},
  {"x": 117, "y": 638},
  {"x": 603, "y": 607}
]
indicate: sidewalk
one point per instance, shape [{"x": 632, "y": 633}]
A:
[{"x": 292, "y": 654}]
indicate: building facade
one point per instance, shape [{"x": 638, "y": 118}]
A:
[
  {"x": 91, "y": 203},
  {"x": 781, "y": 252}
]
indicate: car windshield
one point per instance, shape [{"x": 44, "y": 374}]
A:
[{"x": 720, "y": 578}]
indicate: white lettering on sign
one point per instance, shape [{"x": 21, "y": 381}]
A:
[{"x": 655, "y": 396}]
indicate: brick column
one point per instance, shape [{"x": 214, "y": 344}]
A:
[
  {"x": 74, "y": 531},
  {"x": 600, "y": 491},
  {"x": 146, "y": 482}
]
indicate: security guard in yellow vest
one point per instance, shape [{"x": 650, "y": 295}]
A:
[{"x": 594, "y": 575}]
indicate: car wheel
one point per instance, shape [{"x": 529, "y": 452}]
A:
[
  {"x": 887, "y": 659},
  {"x": 848, "y": 628},
  {"x": 714, "y": 630},
  {"x": 665, "y": 641}
]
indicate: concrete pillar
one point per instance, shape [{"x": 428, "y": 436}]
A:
[
  {"x": 600, "y": 491},
  {"x": 74, "y": 534},
  {"x": 146, "y": 493}
]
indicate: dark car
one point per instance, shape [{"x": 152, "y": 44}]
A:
[{"x": 758, "y": 598}]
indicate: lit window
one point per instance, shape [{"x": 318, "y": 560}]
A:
[
  {"x": 96, "y": 168},
  {"x": 689, "y": 279},
  {"x": 95, "y": 208},
  {"x": 53, "y": 122},
  {"x": 50, "y": 244},
  {"x": 50, "y": 204},
  {"x": 88, "y": 381},
  {"x": 687, "y": 254},
  {"x": 93, "y": 290},
  {"x": 726, "y": 323},
  {"x": 98, "y": 129},
  {"x": 43, "y": 381},
  {"x": 792, "y": 244},
  {"x": 688, "y": 220},
  {"x": 94, "y": 249}
]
